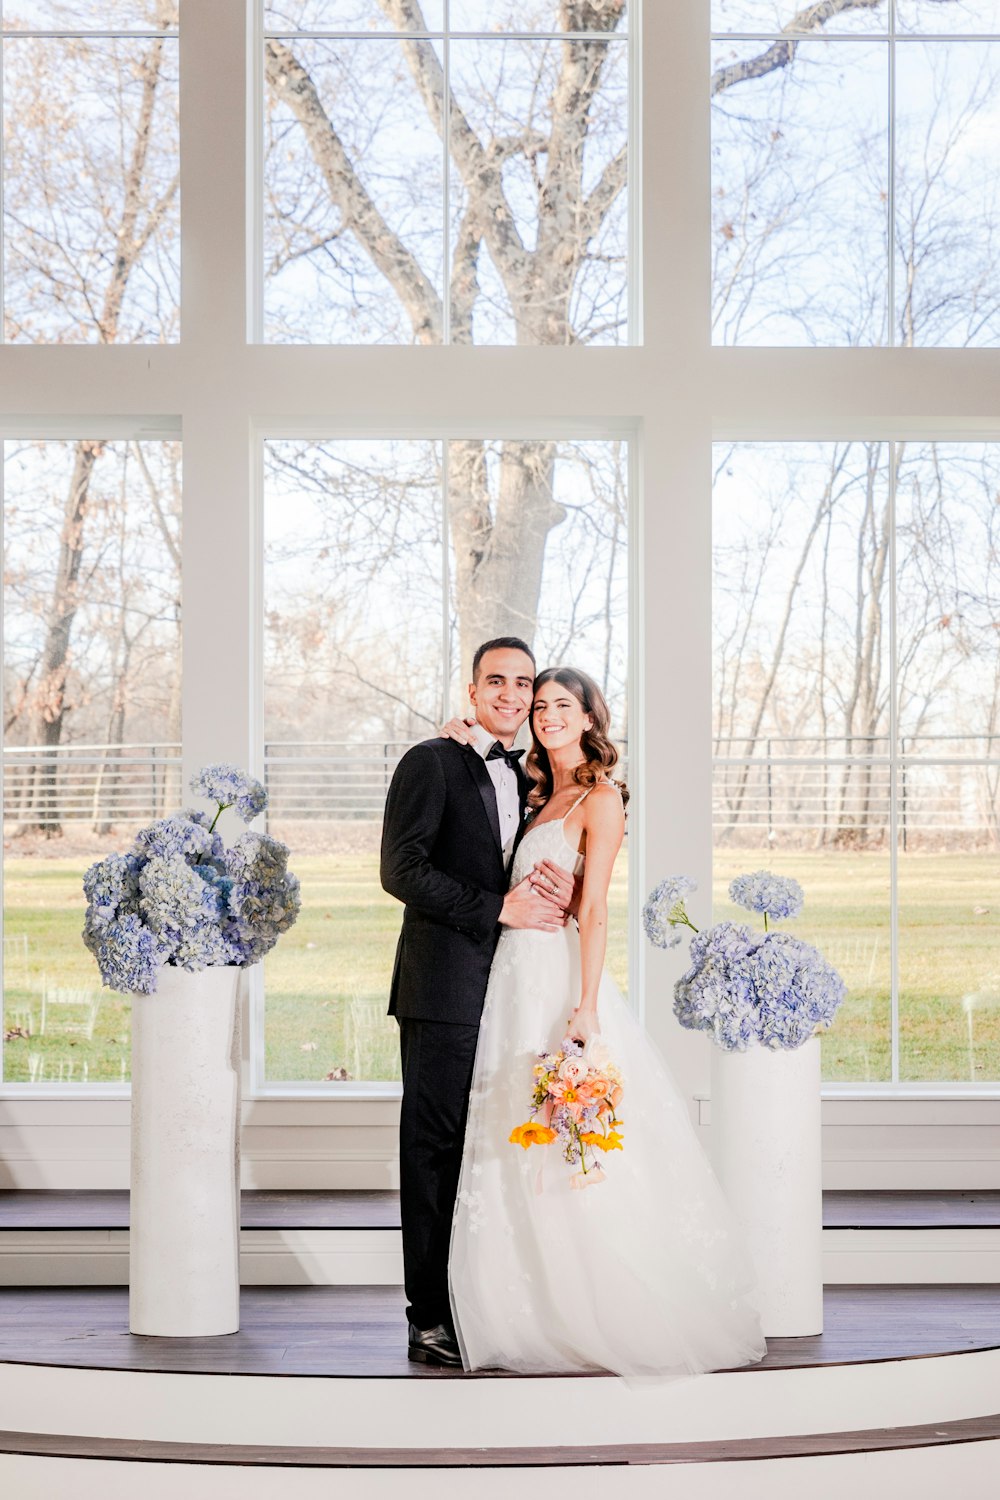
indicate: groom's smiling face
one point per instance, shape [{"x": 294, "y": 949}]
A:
[{"x": 501, "y": 693}]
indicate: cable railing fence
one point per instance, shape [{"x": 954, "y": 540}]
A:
[
  {"x": 787, "y": 788},
  {"x": 827, "y": 791}
]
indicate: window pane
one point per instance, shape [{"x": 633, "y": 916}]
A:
[
  {"x": 89, "y": 15},
  {"x": 957, "y": 16},
  {"x": 355, "y": 206},
  {"x": 948, "y": 614},
  {"x": 91, "y": 205},
  {"x": 947, "y": 193},
  {"x": 782, "y": 15},
  {"x": 801, "y": 682},
  {"x": 560, "y": 197},
  {"x": 347, "y": 15},
  {"x": 370, "y": 624},
  {"x": 92, "y": 667},
  {"x": 800, "y": 194},
  {"x": 538, "y": 15},
  {"x": 354, "y": 185},
  {"x": 351, "y": 679}
]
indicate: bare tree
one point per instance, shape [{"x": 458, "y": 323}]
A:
[
  {"x": 498, "y": 534},
  {"x": 130, "y": 218}
]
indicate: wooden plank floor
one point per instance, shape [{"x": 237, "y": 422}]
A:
[
  {"x": 376, "y": 1209},
  {"x": 360, "y": 1331}
]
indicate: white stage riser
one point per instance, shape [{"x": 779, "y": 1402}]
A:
[
  {"x": 329, "y": 1257},
  {"x": 922, "y": 1474},
  {"x": 309, "y": 1411}
]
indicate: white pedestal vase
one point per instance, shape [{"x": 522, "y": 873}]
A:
[
  {"x": 767, "y": 1155},
  {"x": 184, "y": 1254}
]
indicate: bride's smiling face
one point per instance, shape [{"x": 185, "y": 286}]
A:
[{"x": 557, "y": 717}]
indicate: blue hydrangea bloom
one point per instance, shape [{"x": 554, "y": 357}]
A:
[
  {"x": 177, "y": 835},
  {"x": 230, "y": 787},
  {"x": 663, "y": 913},
  {"x": 127, "y": 954},
  {"x": 776, "y": 896},
  {"x": 716, "y": 993},
  {"x": 181, "y": 897},
  {"x": 797, "y": 989},
  {"x": 747, "y": 989}
]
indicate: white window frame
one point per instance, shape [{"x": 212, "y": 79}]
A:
[
  {"x": 674, "y": 391},
  {"x": 255, "y": 159},
  {"x": 436, "y": 430}
]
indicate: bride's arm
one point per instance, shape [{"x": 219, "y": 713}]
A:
[{"x": 604, "y": 822}]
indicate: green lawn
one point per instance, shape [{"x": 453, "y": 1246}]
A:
[{"x": 328, "y": 979}]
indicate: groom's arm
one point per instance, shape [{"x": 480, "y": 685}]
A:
[{"x": 413, "y": 812}]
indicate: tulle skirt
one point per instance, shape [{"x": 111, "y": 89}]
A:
[{"x": 642, "y": 1273}]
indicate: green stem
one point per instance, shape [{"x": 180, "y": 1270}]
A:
[
  {"x": 222, "y": 807},
  {"x": 765, "y": 922}
]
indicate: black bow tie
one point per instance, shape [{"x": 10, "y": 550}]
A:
[{"x": 497, "y": 752}]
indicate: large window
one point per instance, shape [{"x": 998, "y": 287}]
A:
[
  {"x": 92, "y": 725},
  {"x": 445, "y": 174},
  {"x": 857, "y": 730},
  {"x": 385, "y": 564},
  {"x": 856, "y": 172},
  {"x": 90, "y": 180}
]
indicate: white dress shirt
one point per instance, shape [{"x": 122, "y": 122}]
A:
[{"x": 505, "y": 783}]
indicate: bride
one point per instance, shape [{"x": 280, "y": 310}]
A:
[{"x": 643, "y": 1275}]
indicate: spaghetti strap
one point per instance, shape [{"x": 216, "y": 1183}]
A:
[{"x": 603, "y": 782}]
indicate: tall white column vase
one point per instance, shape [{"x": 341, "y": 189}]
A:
[
  {"x": 767, "y": 1155},
  {"x": 184, "y": 1257}
]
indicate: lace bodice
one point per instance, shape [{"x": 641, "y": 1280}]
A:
[{"x": 545, "y": 841}]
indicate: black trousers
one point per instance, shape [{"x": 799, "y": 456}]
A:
[{"x": 438, "y": 1060}]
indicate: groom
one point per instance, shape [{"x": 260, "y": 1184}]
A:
[{"x": 451, "y": 821}]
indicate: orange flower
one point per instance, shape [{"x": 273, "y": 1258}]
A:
[
  {"x": 616, "y": 1095},
  {"x": 610, "y": 1142},
  {"x": 531, "y": 1134}
]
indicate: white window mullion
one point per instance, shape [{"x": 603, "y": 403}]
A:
[{"x": 893, "y": 778}]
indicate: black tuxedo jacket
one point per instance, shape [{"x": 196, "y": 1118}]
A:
[{"x": 442, "y": 856}]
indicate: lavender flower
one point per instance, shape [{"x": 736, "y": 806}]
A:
[
  {"x": 230, "y": 787},
  {"x": 776, "y": 896},
  {"x": 664, "y": 911}
]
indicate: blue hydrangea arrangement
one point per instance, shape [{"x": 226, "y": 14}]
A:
[
  {"x": 746, "y": 988},
  {"x": 181, "y": 897}
]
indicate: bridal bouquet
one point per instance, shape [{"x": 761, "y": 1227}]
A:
[
  {"x": 745, "y": 988},
  {"x": 575, "y": 1103},
  {"x": 181, "y": 897}
]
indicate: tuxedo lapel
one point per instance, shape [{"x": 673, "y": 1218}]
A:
[{"x": 487, "y": 791}]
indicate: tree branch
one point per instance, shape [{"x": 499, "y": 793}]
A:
[{"x": 415, "y": 290}]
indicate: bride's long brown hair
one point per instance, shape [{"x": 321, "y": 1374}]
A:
[{"x": 601, "y": 757}]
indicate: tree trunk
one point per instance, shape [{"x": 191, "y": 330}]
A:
[
  {"x": 41, "y": 808},
  {"x": 499, "y": 550}
]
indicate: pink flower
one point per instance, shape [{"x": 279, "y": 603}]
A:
[
  {"x": 573, "y": 1070},
  {"x": 587, "y": 1179}
]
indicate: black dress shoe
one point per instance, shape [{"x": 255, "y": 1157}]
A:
[{"x": 434, "y": 1346}]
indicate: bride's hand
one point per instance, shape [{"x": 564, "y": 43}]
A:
[
  {"x": 457, "y": 729},
  {"x": 582, "y": 1025}
]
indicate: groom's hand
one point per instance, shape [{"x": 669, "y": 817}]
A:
[
  {"x": 526, "y": 906},
  {"x": 558, "y": 885}
]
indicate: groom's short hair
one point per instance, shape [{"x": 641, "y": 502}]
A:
[{"x": 502, "y": 643}]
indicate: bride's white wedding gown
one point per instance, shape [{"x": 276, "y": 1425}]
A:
[{"x": 641, "y": 1274}]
